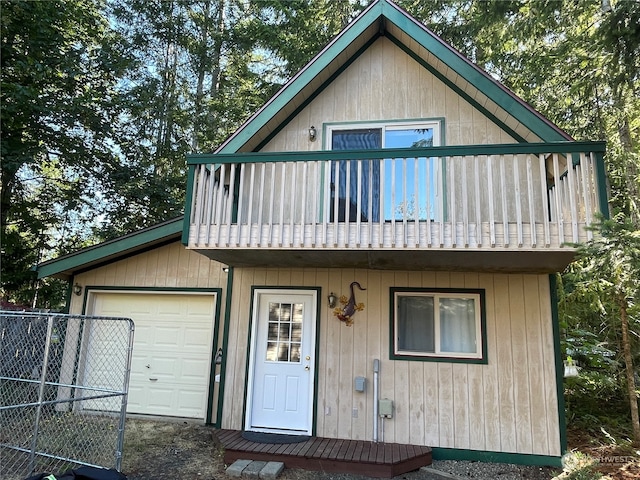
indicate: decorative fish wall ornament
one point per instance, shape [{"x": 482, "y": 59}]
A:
[{"x": 349, "y": 306}]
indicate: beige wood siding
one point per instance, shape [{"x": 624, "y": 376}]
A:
[
  {"x": 170, "y": 266},
  {"x": 507, "y": 405},
  {"x": 384, "y": 83}
]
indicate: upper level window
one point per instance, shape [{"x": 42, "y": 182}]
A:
[
  {"x": 398, "y": 187},
  {"x": 438, "y": 324}
]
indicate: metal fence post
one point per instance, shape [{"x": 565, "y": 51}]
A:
[
  {"x": 125, "y": 397},
  {"x": 64, "y": 382},
  {"x": 43, "y": 379}
]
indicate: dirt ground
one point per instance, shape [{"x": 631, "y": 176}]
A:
[
  {"x": 615, "y": 461},
  {"x": 161, "y": 450},
  {"x": 178, "y": 450}
]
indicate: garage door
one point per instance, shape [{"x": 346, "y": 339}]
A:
[{"x": 172, "y": 347}]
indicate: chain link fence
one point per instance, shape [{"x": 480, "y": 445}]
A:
[{"x": 63, "y": 391}]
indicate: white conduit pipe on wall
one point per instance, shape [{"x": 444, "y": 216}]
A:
[{"x": 376, "y": 370}]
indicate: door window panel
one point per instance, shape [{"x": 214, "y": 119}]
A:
[{"x": 284, "y": 334}]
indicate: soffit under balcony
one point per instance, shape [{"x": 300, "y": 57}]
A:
[{"x": 496, "y": 261}]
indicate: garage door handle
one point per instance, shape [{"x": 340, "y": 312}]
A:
[{"x": 153, "y": 379}]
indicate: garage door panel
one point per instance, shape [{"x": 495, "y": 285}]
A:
[
  {"x": 172, "y": 349},
  {"x": 161, "y": 399},
  {"x": 195, "y": 310},
  {"x": 195, "y": 338},
  {"x": 168, "y": 337},
  {"x": 194, "y": 371},
  {"x": 190, "y": 400},
  {"x": 135, "y": 400}
]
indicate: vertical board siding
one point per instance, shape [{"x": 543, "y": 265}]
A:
[
  {"x": 507, "y": 405},
  {"x": 168, "y": 266},
  {"x": 278, "y": 203},
  {"x": 384, "y": 83}
]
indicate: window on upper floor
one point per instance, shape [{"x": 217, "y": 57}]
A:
[
  {"x": 445, "y": 325},
  {"x": 398, "y": 187}
]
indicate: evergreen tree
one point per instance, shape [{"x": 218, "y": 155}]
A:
[{"x": 58, "y": 103}]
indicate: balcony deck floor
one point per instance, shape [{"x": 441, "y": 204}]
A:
[{"x": 382, "y": 460}]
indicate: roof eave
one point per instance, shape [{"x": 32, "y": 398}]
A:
[
  {"x": 377, "y": 13},
  {"x": 68, "y": 265}
]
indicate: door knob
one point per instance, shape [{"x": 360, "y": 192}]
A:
[{"x": 306, "y": 367}]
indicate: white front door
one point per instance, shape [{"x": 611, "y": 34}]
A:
[{"x": 281, "y": 378}]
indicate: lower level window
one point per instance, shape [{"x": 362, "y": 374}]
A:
[{"x": 438, "y": 324}]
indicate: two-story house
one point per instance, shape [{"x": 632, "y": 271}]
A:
[{"x": 392, "y": 161}]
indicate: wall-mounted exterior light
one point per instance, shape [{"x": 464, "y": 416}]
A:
[
  {"x": 312, "y": 133},
  {"x": 333, "y": 300}
]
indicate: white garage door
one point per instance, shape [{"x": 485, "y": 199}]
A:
[{"x": 171, "y": 349}]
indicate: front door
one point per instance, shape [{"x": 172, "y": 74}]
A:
[{"x": 282, "y": 362}]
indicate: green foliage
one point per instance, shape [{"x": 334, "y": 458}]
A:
[
  {"x": 578, "y": 466},
  {"x": 58, "y": 105},
  {"x": 603, "y": 280}
]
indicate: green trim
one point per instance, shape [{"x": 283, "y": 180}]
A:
[
  {"x": 314, "y": 402},
  {"x": 373, "y": 15},
  {"x": 483, "y": 325},
  {"x": 315, "y": 93},
  {"x": 112, "y": 288},
  {"x": 68, "y": 295},
  {"x": 119, "y": 246},
  {"x": 187, "y": 207},
  {"x": 440, "y": 453},
  {"x": 225, "y": 345},
  {"x": 316, "y": 354},
  {"x": 472, "y": 101},
  {"x": 304, "y": 77},
  {"x": 601, "y": 176},
  {"x": 559, "y": 365},
  {"x": 212, "y": 368},
  {"x": 478, "y": 78},
  {"x": 444, "y": 151},
  {"x": 247, "y": 362},
  {"x": 216, "y": 322}
]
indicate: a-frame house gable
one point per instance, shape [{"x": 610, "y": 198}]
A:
[{"x": 384, "y": 18}]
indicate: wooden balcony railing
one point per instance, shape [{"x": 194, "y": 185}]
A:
[{"x": 520, "y": 196}]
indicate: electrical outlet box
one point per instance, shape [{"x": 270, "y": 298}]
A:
[
  {"x": 360, "y": 384},
  {"x": 385, "y": 408}
]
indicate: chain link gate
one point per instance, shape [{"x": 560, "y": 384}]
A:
[{"x": 63, "y": 391}]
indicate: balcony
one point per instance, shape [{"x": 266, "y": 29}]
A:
[{"x": 517, "y": 207}]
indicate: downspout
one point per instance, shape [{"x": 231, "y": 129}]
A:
[{"x": 376, "y": 371}]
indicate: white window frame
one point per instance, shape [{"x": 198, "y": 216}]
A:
[
  {"x": 384, "y": 126},
  {"x": 438, "y": 179},
  {"x": 479, "y": 356}
]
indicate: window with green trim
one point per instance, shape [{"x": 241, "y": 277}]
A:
[{"x": 438, "y": 324}]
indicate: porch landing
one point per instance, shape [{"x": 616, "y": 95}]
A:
[{"x": 382, "y": 460}]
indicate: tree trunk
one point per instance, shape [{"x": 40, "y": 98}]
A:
[
  {"x": 628, "y": 360},
  {"x": 216, "y": 69},
  {"x": 202, "y": 70}
]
